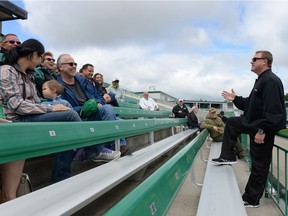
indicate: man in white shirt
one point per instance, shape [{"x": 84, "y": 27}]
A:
[{"x": 147, "y": 103}]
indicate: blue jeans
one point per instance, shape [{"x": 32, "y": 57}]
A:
[
  {"x": 105, "y": 112},
  {"x": 62, "y": 161},
  {"x": 61, "y": 116}
]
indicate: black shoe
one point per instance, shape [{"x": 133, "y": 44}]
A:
[
  {"x": 248, "y": 205},
  {"x": 222, "y": 161}
]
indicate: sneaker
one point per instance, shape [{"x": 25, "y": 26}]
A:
[
  {"x": 248, "y": 205},
  {"x": 222, "y": 161},
  {"x": 106, "y": 155}
]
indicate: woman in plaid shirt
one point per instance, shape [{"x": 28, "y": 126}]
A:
[{"x": 20, "y": 103}]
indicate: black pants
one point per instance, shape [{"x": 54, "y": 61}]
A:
[{"x": 261, "y": 155}]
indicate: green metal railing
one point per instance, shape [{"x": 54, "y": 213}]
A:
[{"x": 277, "y": 182}]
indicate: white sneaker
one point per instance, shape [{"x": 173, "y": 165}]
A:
[{"x": 106, "y": 156}]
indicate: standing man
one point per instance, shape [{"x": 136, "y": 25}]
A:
[
  {"x": 180, "y": 110},
  {"x": 264, "y": 114}
]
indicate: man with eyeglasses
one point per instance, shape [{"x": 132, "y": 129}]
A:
[
  {"x": 8, "y": 42},
  {"x": 79, "y": 90},
  {"x": 264, "y": 115},
  {"x": 45, "y": 71}
]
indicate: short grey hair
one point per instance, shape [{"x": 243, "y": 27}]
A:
[
  {"x": 193, "y": 108},
  {"x": 59, "y": 59}
]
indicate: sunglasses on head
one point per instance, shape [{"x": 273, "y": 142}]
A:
[
  {"x": 50, "y": 59},
  {"x": 12, "y": 42},
  {"x": 71, "y": 64}
]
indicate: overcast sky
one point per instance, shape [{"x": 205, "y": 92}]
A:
[{"x": 188, "y": 49}]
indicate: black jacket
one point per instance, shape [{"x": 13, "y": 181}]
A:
[
  {"x": 193, "y": 120},
  {"x": 264, "y": 108},
  {"x": 180, "y": 112}
]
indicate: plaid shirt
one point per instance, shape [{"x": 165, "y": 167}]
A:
[{"x": 11, "y": 93}]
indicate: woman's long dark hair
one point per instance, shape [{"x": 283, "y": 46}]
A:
[{"x": 27, "y": 48}]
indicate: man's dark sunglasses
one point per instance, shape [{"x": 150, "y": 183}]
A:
[
  {"x": 71, "y": 64},
  {"x": 13, "y": 42},
  {"x": 255, "y": 59}
]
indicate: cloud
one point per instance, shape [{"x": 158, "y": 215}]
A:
[{"x": 189, "y": 49}]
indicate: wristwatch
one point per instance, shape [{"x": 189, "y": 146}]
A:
[{"x": 261, "y": 131}]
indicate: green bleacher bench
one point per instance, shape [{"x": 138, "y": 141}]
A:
[
  {"x": 125, "y": 112},
  {"x": 128, "y": 105},
  {"x": 220, "y": 193},
  {"x": 27, "y": 140},
  {"x": 70, "y": 195},
  {"x": 155, "y": 195},
  {"x": 131, "y": 100}
]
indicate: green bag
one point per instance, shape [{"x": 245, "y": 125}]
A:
[{"x": 89, "y": 108}]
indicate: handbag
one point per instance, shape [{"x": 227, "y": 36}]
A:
[
  {"x": 24, "y": 186},
  {"x": 89, "y": 108}
]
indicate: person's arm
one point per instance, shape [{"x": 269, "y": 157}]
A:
[
  {"x": 238, "y": 101},
  {"x": 142, "y": 104},
  {"x": 11, "y": 84},
  {"x": 155, "y": 105},
  {"x": 206, "y": 124},
  {"x": 274, "y": 113}
]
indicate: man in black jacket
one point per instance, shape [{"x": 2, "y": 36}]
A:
[
  {"x": 264, "y": 114},
  {"x": 180, "y": 110}
]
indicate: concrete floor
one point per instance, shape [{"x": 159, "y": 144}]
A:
[{"x": 186, "y": 202}]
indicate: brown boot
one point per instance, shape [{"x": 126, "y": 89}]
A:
[{"x": 241, "y": 154}]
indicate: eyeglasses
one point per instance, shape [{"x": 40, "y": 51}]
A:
[
  {"x": 255, "y": 59},
  {"x": 71, "y": 64},
  {"x": 50, "y": 59},
  {"x": 13, "y": 42}
]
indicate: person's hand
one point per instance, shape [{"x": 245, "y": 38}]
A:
[
  {"x": 107, "y": 98},
  {"x": 59, "y": 107},
  {"x": 215, "y": 128},
  {"x": 99, "y": 104},
  {"x": 4, "y": 120},
  {"x": 259, "y": 138},
  {"x": 229, "y": 95}
]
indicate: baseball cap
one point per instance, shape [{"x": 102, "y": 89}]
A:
[
  {"x": 180, "y": 100},
  {"x": 212, "y": 109}
]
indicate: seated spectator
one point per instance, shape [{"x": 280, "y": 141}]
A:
[
  {"x": 116, "y": 90},
  {"x": 8, "y": 42},
  {"x": 222, "y": 116},
  {"x": 147, "y": 103},
  {"x": 87, "y": 71},
  {"x": 44, "y": 72},
  {"x": 180, "y": 110},
  {"x": 79, "y": 90},
  {"x": 21, "y": 104},
  {"x": 109, "y": 98},
  {"x": 193, "y": 121},
  {"x": 215, "y": 126},
  {"x": 51, "y": 91}
]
